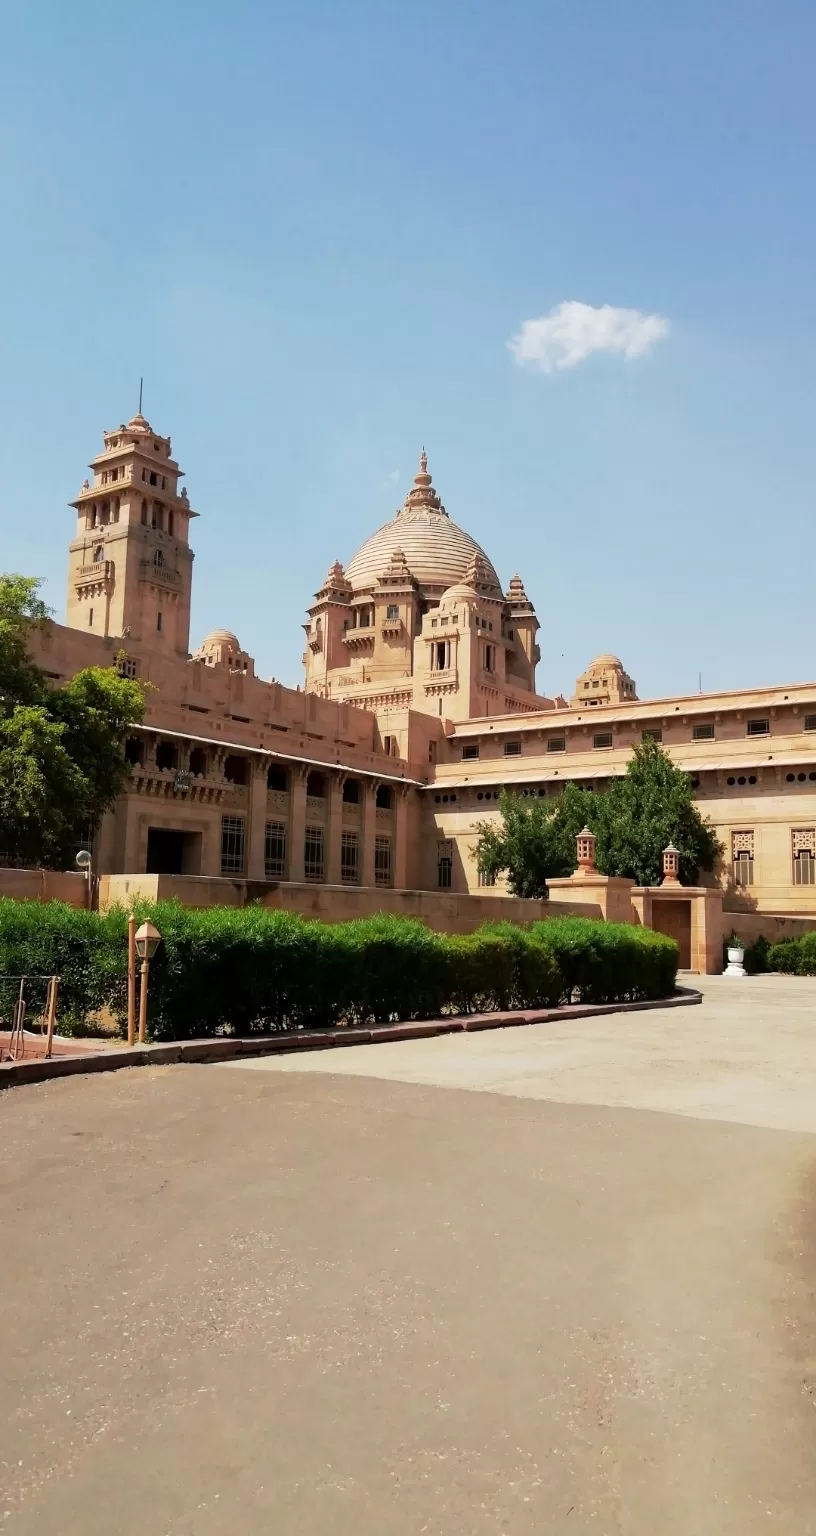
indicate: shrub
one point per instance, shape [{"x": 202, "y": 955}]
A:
[
  {"x": 755, "y": 956},
  {"x": 796, "y": 957},
  {"x": 609, "y": 962},
  {"x": 245, "y": 970}
]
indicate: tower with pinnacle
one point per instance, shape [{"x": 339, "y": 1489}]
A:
[{"x": 130, "y": 563}]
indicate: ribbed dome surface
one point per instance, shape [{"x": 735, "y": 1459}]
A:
[
  {"x": 437, "y": 551},
  {"x": 221, "y": 637}
]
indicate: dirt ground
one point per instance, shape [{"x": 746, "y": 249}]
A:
[{"x": 316, "y": 1301}]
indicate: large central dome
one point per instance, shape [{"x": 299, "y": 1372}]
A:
[{"x": 437, "y": 552}]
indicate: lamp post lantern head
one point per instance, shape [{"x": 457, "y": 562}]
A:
[
  {"x": 83, "y": 859},
  {"x": 671, "y": 865},
  {"x": 148, "y": 940},
  {"x": 585, "y": 849}
]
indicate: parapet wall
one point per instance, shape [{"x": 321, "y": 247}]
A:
[
  {"x": 44, "y": 885},
  {"x": 442, "y": 910}
]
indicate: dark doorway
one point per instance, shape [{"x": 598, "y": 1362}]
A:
[{"x": 165, "y": 851}]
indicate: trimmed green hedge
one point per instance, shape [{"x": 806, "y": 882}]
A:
[
  {"x": 795, "y": 957},
  {"x": 245, "y": 970}
]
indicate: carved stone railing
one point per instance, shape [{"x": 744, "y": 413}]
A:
[
  {"x": 94, "y": 575},
  {"x": 149, "y": 571}
]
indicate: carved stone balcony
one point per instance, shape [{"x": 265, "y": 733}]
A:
[
  {"x": 162, "y": 574},
  {"x": 359, "y": 639},
  {"x": 95, "y": 575}
]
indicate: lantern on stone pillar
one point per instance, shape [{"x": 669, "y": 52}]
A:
[
  {"x": 671, "y": 865},
  {"x": 585, "y": 844}
]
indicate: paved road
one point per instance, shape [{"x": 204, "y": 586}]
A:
[
  {"x": 747, "y": 1053},
  {"x": 243, "y": 1301}
]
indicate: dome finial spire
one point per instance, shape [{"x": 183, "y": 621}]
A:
[{"x": 422, "y": 496}]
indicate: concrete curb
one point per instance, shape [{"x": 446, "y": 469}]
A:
[{"x": 15, "y": 1074}]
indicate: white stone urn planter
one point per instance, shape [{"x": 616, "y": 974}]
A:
[{"x": 736, "y": 956}]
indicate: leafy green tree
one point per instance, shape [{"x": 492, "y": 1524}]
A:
[
  {"x": 61, "y": 758},
  {"x": 96, "y": 709},
  {"x": 634, "y": 820},
  {"x": 20, "y": 610},
  {"x": 40, "y": 788},
  {"x": 535, "y": 840},
  {"x": 650, "y": 807}
]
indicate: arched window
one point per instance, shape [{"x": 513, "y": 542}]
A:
[
  {"x": 351, "y": 791},
  {"x": 134, "y": 751},
  {"x": 316, "y": 785},
  {"x": 198, "y": 761},
  {"x": 158, "y": 558},
  {"x": 116, "y": 506},
  {"x": 384, "y": 798},
  {"x": 170, "y": 521},
  {"x": 277, "y": 777},
  {"x": 235, "y": 769},
  {"x": 98, "y": 554},
  {"x": 166, "y": 755},
  {"x": 144, "y": 514}
]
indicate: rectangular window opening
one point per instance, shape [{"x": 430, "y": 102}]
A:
[
  {"x": 233, "y": 834},
  {"x": 275, "y": 850},
  {"x": 742, "y": 855},
  {"x": 470, "y": 751},
  {"x": 758, "y": 728},
  {"x": 350, "y": 859},
  {"x": 704, "y": 732},
  {"x": 313, "y": 853},
  {"x": 804, "y": 867},
  {"x": 444, "y": 873},
  {"x": 382, "y": 861},
  {"x": 602, "y": 739}
]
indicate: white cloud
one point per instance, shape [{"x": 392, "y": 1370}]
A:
[
  {"x": 393, "y": 475},
  {"x": 572, "y": 331}
]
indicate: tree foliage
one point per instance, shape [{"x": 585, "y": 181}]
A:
[
  {"x": 61, "y": 758},
  {"x": 651, "y": 806}
]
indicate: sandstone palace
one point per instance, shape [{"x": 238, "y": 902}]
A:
[{"x": 419, "y": 702}]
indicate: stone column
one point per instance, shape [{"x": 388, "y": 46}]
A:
[
  {"x": 334, "y": 830},
  {"x": 256, "y": 819},
  {"x": 369, "y": 787},
  {"x": 399, "y": 849},
  {"x": 297, "y": 820}
]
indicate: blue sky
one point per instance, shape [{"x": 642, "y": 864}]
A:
[{"x": 314, "y": 228}]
